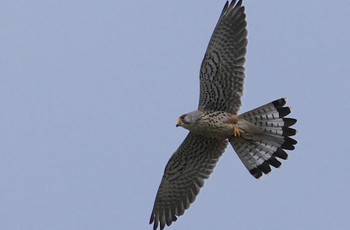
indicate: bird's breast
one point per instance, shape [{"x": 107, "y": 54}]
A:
[{"x": 217, "y": 124}]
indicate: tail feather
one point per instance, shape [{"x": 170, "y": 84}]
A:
[{"x": 261, "y": 150}]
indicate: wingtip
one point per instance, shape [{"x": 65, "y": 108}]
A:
[{"x": 151, "y": 219}]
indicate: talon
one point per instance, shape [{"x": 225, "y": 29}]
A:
[{"x": 236, "y": 131}]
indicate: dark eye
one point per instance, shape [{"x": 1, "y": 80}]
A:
[{"x": 185, "y": 120}]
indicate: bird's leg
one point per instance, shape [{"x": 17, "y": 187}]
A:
[
  {"x": 233, "y": 119},
  {"x": 236, "y": 131}
]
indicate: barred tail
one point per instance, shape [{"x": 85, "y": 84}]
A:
[{"x": 268, "y": 143}]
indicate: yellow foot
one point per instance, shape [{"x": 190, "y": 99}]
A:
[{"x": 236, "y": 131}]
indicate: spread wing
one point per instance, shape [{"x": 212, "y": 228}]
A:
[
  {"x": 222, "y": 70},
  {"x": 183, "y": 177}
]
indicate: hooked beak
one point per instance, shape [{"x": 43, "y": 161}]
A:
[{"x": 179, "y": 122}]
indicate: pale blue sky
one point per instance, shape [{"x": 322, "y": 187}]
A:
[{"x": 90, "y": 92}]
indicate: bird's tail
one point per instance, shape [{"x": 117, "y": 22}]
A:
[{"x": 270, "y": 135}]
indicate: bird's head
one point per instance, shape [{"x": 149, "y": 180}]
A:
[{"x": 189, "y": 119}]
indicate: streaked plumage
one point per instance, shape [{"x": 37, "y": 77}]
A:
[{"x": 259, "y": 136}]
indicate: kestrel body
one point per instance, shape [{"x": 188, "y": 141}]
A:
[
  {"x": 259, "y": 136},
  {"x": 216, "y": 124}
]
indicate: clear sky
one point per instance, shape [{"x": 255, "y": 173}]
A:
[{"x": 90, "y": 92}]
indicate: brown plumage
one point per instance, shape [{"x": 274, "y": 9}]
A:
[{"x": 259, "y": 136}]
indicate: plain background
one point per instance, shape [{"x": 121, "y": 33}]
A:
[{"x": 90, "y": 92}]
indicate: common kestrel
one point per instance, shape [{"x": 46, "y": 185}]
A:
[{"x": 259, "y": 136}]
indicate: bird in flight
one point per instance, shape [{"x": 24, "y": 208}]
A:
[{"x": 259, "y": 137}]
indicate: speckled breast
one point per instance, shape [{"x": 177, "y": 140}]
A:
[{"x": 218, "y": 124}]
